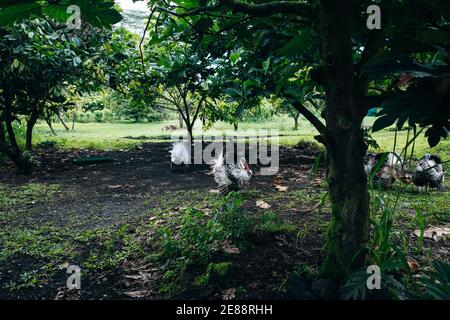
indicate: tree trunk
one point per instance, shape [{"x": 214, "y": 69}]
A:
[
  {"x": 236, "y": 126},
  {"x": 296, "y": 121},
  {"x": 49, "y": 123},
  {"x": 12, "y": 150},
  {"x": 190, "y": 129},
  {"x": 30, "y": 126},
  {"x": 2, "y": 134},
  {"x": 62, "y": 121},
  {"x": 180, "y": 120},
  {"x": 346, "y": 179},
  {"x": 73, "y": 122}
]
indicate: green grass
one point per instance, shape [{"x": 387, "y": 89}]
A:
[
  {"x": 103, "y": 136},
  {"x": 14, "y": 200},
  {"x": 51, "y": 248}
]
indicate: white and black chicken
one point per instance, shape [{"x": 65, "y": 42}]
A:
[
  {"x": 231, "y": 176},
  {"x": 429, "y": 173},
  {"x": 180, "y": 156},
  {"x": 389, "y": 169}
]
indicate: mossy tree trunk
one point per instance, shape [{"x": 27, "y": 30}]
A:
[{"x": 347, "y": 182}]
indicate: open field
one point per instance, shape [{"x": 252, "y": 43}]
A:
[{"x": 120, "y": 135}]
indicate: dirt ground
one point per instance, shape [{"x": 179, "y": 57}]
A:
[
  {"x": 139, "y": 181},
  {"x": 103, "y": 194}
]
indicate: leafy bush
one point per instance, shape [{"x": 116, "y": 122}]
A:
[
  {"x": 110, "y": 106},
  {"x": 383, "y": 252},
  {"x": 369, "y": 140},
  {"x": 195, "y": 240},
  {"x": 98, "y": 115},
  {"x": 262, "y": 112},
  {"x": 437, "y": 281},
  {"x": 214, "y": 272}
]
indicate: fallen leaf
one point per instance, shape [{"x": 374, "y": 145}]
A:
[
  {"x": 316, "y": 182},
  {"x": 63, "y": 266},
  {"x": 435, "y": 233},
  {"x": 262, "y": 204},
  {"x": 226, "y": 246},
  {"x": 134, "y": 277},
  {"x": 214, "y": 191},
  {"x": 139, "y": 294},
  {"x": 60, "y": 295},
  {"x": 413, "y": 266},
  {"x": 231, "y": 249},
  {"x": 281, "y": 188},
  {"x": 229, "y": 294},
  {"x": 121, "y": 186},
  {"x": 278, "y": 180}
]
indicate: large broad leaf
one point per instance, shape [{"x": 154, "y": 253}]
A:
[
  {"x": 442, "y": 6},
  {"x": 11, "y": 14},
  {"x": 388, "y": 67},
  {"x": 298, "y": 45},
  {"x": 7, "y": 3},
  {"x": 421, "y": 104},
  {"x": 97, "y": 13},
  {"x": 383, "y": 122}
]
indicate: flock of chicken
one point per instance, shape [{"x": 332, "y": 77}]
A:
[
  {"x": 228, "y": 174},
  {"x": 382, "y": 168},
  {"x": 386, "y": 168}
]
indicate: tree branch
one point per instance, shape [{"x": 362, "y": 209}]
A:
[
  {"x": 257, "y": 10},
  {"x": 373, "y": 45},
  {"x": 199, "y": 107},
  {"x": 309, "y": 116},
  {"x": 142, "y": 41},
  {"x": 269, "y": 8}
]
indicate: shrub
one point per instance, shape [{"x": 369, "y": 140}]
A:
[
  {"x": 195, "y": 239},
  {"x": 98, "y": 115}
]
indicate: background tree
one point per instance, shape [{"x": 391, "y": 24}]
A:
[
  {"x": 184, "y": 77},
  {"x": 39, "y": 59}
]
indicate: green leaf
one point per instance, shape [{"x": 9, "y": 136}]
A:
[
  {"x": 11, "y": 14},
  {"x": 59, "y": 13},
  {"x": 234, "y": 56},
  {"x": 297, "y": 45},
  {"x": 387, "y": 67},
  {"x": 100, "y": 14},
  {"x": 16, "y": 63},
  {"x": 8, "y": 3},
  {"x": 383, "y": 122},
  {"x": 266, "y": 65}
]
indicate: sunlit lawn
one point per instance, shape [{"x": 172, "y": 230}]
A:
[{"x": 120, "y": 135}]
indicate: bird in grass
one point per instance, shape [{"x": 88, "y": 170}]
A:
[
  {"x": 389, "y": 170},
  {"x": 429, "y": 173},
  {"x": 231, "y": 176},
  {"x": 180, "y": 156}
]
